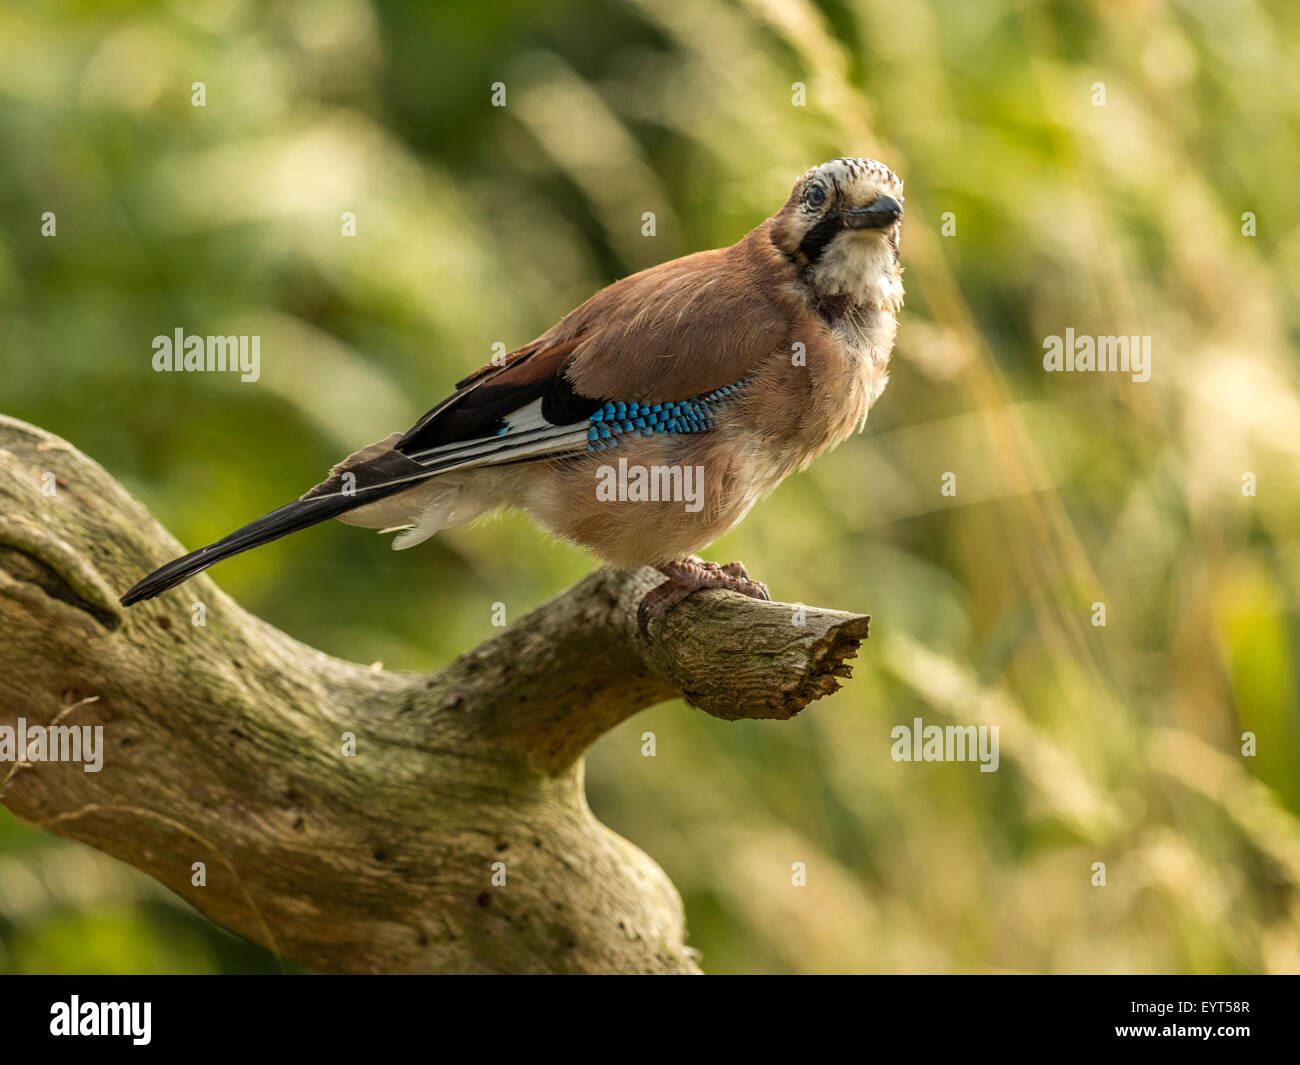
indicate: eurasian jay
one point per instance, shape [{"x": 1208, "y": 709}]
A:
[{"x": 723, "y": 371}]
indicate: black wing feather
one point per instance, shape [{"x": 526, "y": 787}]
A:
[{"x": 474, "y": 414}]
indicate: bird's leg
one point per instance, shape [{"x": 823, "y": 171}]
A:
[{"x": 689, "y": 576}]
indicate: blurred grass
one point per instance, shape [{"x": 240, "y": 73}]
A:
[{"x": 478, "y": 224}]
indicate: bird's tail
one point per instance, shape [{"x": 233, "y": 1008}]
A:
[{"x": 290, "y": 518}]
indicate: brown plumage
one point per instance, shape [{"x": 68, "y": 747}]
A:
[{"x": 795, "y": 322}]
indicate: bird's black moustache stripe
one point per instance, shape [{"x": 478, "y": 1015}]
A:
[{"x": 816, "y": 239}]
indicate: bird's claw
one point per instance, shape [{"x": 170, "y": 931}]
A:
[{"x": 693, "y": 575}]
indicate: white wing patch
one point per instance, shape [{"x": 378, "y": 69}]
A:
[
  {"x": 526, "y": 418},
  {"x": 526, "y": 433}
]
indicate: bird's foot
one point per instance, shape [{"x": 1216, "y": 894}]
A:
[{"x": 685, "y": 578}]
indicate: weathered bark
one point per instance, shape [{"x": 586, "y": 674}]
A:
[{"x": 224, "y": 745}]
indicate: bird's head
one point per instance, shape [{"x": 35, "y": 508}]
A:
[{"x": 841, "y": 228}]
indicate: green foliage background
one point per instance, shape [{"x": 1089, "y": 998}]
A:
[{"x": 477, "y": 224}]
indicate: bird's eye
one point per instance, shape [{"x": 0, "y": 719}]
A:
[{"x": 816, "y": 196}]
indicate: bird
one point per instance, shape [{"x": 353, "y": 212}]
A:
[{"x": 712, "y": 377}]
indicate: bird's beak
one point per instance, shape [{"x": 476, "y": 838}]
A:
[{"x": 883, "y": 213}]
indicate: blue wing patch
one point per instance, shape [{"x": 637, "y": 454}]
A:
[
  {"x": 614, "y": 420},
  {"x": 528, "y": 433}
]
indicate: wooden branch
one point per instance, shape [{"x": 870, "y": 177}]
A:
[{"x": 223, "y": 744}]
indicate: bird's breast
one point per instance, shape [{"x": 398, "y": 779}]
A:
[{"x": 812, "y": 398}]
